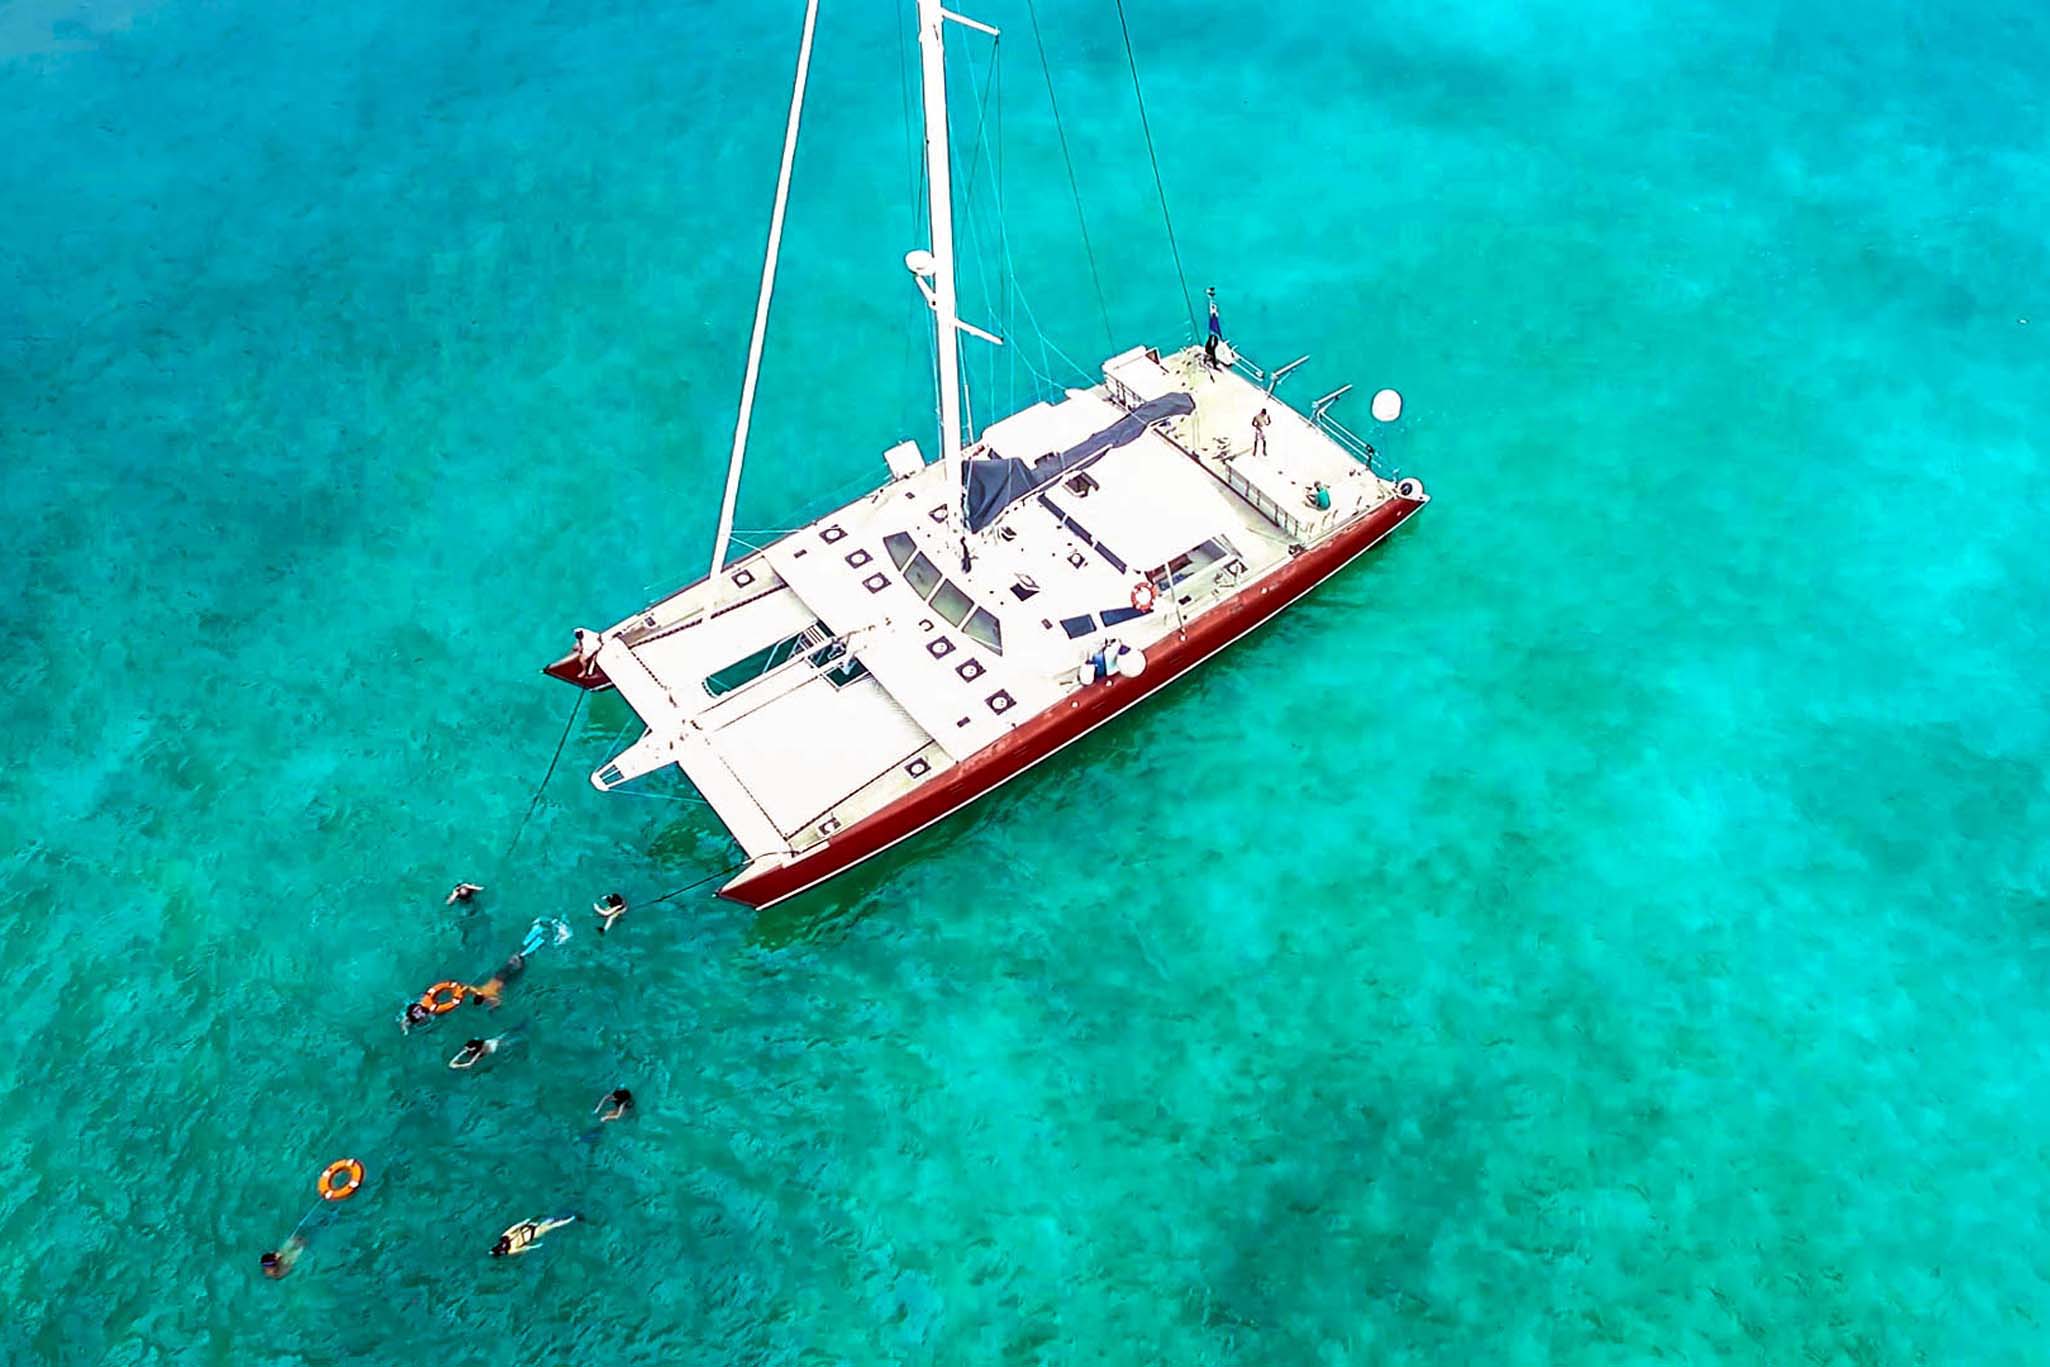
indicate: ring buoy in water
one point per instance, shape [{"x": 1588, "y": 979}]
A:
[
  {"x": 340, "y": 1180},
  {"x": 1143, "y": 596},
  {"x": 444, "y": 997}
]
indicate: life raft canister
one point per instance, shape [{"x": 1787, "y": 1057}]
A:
[{"x": 340, "y": 1180}]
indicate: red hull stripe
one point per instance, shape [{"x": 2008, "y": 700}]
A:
[
  {"x": 1084, "y": 712},
  {"x": 589, "y": 678}
]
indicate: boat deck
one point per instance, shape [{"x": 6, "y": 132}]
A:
[{"x": 883, "y": 661}]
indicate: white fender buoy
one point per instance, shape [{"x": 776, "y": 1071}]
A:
[
  {"x": 1132, "y": 664},
  {"x": 1410, "y": 489},
  {"x": 1387, "y": 406}
]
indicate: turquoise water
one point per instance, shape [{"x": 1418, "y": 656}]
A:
[{"x": 1607, "y": 925}]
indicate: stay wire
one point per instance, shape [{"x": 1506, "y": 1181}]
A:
[
  {"x": 1158, "y": 185},
  {"x": 1074, "y": 186}
]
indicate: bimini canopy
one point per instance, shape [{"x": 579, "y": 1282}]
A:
[{"x": 994, "y": 483}]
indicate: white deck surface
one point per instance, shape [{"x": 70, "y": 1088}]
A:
[
  {"x": 789, "y": 758},
  {"x": 816, "y": 745}
]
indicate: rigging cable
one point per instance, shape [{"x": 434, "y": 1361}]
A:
[
  {"x": 1147, "y": 127},
  {"x": 989, "y": 87},
  {"x": 1073, "y": 185}
]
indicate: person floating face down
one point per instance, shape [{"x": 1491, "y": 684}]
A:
[
  {"x": 527, "y": 1233},
  {"x": 492, "y": 990},
  {"x": 476, "y": 1049},
  {"x": 278, "y": 1262}
]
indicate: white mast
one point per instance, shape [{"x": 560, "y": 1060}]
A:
[
  {"x": 935, "y": 268},
  {"x": 768, "y": 289}
]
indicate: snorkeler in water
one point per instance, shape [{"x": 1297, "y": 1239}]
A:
[
  {"x": 476, "y": 1049},
  {"x": 609, "y": 909},
  {"x": 492, "y": 989},
  {"x": 526, "y": 1234},
  {"x": 279, "y": 1261},
  {"x": 543, "y": 933}
]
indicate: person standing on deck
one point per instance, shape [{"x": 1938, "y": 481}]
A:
[
  {"x": 1261, "y": 422},
  {"x": 1216, "y": 331}
]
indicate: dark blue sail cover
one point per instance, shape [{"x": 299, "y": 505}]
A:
[{"x": 996, "y": 482}]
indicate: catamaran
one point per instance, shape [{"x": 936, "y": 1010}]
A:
[{"x": 843, "y": 687}]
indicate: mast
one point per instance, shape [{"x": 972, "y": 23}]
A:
[
  {"x": 768, "y": 290},
  {"x": 935, "y": 267}
]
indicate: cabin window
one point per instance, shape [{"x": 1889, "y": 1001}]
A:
[
  {"x": 1078, "y": 626},
  {"x": 922, "y": 575},
  {"x": 983, "y": 627},
  {"x": 1197, "y": 560},
  {"x": 845, "y": 672},
  {"x": 1081, "y": 486},
  {"x": 752, "y": 666},
  {"x": 952, "y": 604},
  {"x": 901, "y": 548}
]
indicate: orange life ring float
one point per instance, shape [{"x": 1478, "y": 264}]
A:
[
  {"x": 1143, "y": 596},
  {"x": 340, "y": 1180},
  {"x": 444, "y": 997}
]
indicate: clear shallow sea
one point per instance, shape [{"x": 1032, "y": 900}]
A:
[{"x": 1609, "y": 924}]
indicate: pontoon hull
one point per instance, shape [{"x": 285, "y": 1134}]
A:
[{"x": 1088, "y": 709}]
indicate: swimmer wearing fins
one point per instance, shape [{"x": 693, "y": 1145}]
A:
[{"x": 526, "y": 1234}]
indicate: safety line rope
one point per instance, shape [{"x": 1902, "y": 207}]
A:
[{"x": 574, "y": 708}]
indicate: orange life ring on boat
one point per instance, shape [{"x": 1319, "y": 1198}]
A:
[
  {"x": 432, "y": 998},
  {"x": 1143, "y": 596},
  {"x": 340, "y": 1180}
]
